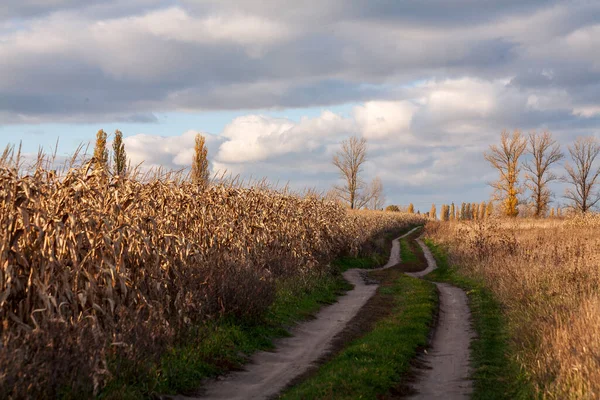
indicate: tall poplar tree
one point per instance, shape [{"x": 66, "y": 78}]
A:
[
  {"x": 200, "y": 172},
  {"x": 119, "y": 155},
  {"x": 100, "y": 151},
  {"x": 433, "y": 212}
]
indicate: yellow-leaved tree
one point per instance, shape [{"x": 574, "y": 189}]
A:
[
  {"x": 433, "y": 212},
  {"x": 505, "y": 159},
  {"x": 100, "y": 151},
  {"x": 200, "y": 172}
]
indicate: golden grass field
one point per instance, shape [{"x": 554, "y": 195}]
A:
[
  {"x": 93, "y": 265},
  {"x": 546, "y": 274}
]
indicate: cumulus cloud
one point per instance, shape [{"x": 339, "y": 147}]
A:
[
  {"x": 381, "y": 119},
  {"x": 256, "y": 138},
  {"x": 170, "y": 152},
  {"x": 99, "y": 61},
  {"x": 435, "y": 83},
  {"x": 429, "y": 143}
]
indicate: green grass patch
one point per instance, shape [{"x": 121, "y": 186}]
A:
[
  {"x": 496, "y": 375},
  {"x": 378, "y": 257},
  {"x": 373, "y": 364},
  {"x": 406, "y": 253},
  {"x": 346, "y": 263},
  {"x": 216, "y": 347}
]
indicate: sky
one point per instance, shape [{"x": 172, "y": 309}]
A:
[{"x": 276, "y": 85}]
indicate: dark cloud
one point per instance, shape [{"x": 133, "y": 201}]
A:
[
  {"x": 444, "y": 12},
  {"x": 36, "y": 8},
  {"x": 25, "y": 9},
  {"x": 114, "y": 61}
]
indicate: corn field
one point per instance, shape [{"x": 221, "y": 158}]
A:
[{"x": 94, "y": 265}]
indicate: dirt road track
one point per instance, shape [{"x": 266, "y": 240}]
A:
[
  {"x": 446, "y": 364},
  {"x": 269, "y": 372}
]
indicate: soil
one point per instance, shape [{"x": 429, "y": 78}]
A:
[
  {"x": 269, "y": 373},
  {"x": 443, "y": 370}
]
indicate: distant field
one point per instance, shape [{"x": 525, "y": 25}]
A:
[
  {"x": 546, "y": 274},
  {"x": 96, "y": 268}
]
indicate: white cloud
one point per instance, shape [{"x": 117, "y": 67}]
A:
[
  {"x": 177, "y": 24},
  {"x": 434, "y": 137},
  {"x": 382, "y": 119},
  {"x": 402, "y": 151},
  {"x": 256, "y": 138},
  {"x": 171, "y": 152},
  {"x": 430, "y": 79},
  {"x": 154, "y": 56}
]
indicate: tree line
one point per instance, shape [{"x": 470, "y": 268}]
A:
[{"x": 544, "y": 152}]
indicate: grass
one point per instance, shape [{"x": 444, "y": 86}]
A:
[
  {"x": 406, "y": 253},
  {"x": 374, "y": 364},
  {"x": 377, "y": 258},
  {"x": 545, "y": 275},
  {"x": 215, "y": 348},
  {"x": 346, "y": 263},
  {"x": 496, "y": 375}
]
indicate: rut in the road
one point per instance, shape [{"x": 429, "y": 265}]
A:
[
  {"x": 447, "y": 370},
  {"x": 270, "y": 372}
]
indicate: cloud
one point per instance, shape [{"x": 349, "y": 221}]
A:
[
  {"x": 381, "y": 119},
  {"x": 172, "y": 152},
  {"x": 429, "y": 143},
  {"x": 256, "y": 138},
  {"x": 68, "y": 61},
  {"x": 433, "y": 83}
]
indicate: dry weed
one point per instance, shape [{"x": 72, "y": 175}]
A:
[{"x": 547, "y": 276}]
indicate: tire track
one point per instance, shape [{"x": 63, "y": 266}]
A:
[
  {"x": 270, "y": 372},
  {"x": 445, "y": 371}
]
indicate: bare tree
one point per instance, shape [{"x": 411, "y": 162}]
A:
[
  {"x": 349, "y": 161},
  {"x": 200, "y": 172},
  {"x": 583, "y": 175},
  {"x": 505, "y": 159},
  {"x": 371, "y": 196},
  {"x": 544, "y": 152},
  {"x": 375, "y": 194}
]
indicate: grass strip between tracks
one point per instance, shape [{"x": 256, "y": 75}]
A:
[{"x": 373, "y": 365}]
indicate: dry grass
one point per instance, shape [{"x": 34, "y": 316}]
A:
[
  {"x": 94, "y": 266},
  {"x": 546, "y": 273}
]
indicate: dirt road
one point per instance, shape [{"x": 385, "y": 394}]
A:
[
  {"x": 269, "y": 372},
  {"x": 446, "y": 364}
]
